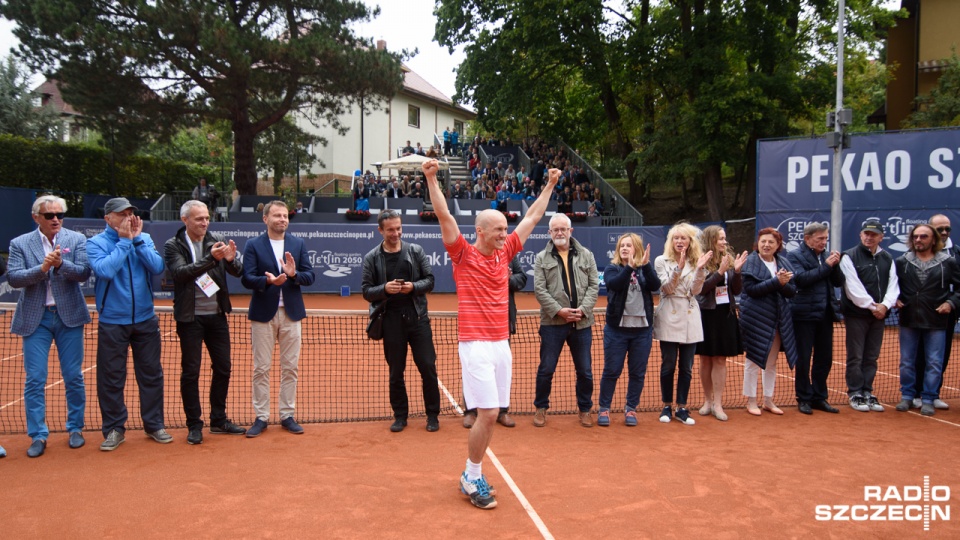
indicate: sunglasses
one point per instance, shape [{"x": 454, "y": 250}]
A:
[
  {"x": 943, "y": 229},
  {"x": 920, "y": 236},
  {"x": 50, "y": 215}
]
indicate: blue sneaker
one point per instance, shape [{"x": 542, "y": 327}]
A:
[
  {"x": 630, "y": 417},
  {"x": 479, "y": 492},
  {"x": 666, "y": 415},
  {"x": 256, "y": 429},
  {"x": 603, "y": 417},
  {"x": 3, "y": 453},
  {"x": 292, "y": 426}
]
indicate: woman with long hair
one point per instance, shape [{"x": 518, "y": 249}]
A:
[
  {"x": 630, "y": 282},
  {"x": 766, "y": 318},
  {"x": 718, "y": 313},
  {"x": 676, "y": 321}
]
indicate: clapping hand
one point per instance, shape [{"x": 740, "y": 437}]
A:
[
  {"x": 289, "y": 266},
  {"x": 784, "y": 276},
  {"x": 704, "y": 259},
  {"x": 834, "y": 258},
  {"x": 738, "y": 264},
  {"x": 645, "y": 259}
]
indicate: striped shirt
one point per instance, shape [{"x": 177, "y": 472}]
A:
[{"x": 483, "y": 289}]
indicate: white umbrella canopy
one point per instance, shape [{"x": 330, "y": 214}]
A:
[{"x": 413, "y": 162}]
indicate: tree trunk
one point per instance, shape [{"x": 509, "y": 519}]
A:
[
  {"x": 244, "y": 168},
  {"x": 713, "y": 186},
  {"x": 751, "y": 180}
]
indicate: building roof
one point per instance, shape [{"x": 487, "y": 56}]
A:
[
  {"x": 50, "y": 95},
  {"x": 414, "y": 84}
]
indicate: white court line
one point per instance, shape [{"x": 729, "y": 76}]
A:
[
  {"x": 47, "y": 387},
  {"x": 541, "y": 526}
]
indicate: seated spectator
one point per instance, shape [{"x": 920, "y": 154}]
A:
[
  {"x": 473, "y": 162},
  {"x": 299, "y": 208},
  {"x": 458, "y": 192},
  {"x": 419, "y": 150},
  {"x": 502, "y": 196},
  {"x": 394, "y": 191},
  {"x": 407, "y": 150},
  {"x": 432, "y": 152},
  {"x": 592, "y": 210},
  {"x": 416, "y": 191},
  {"x": 565, "y": 201},
  {"x": 522, "y": 174}
]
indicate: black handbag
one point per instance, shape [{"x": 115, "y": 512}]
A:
[{"x": 375, "y": 326}]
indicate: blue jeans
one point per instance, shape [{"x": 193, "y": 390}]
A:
[
  {"x": 552, "y": 338},
  {"x": 618, "y": 343},
  {"x": 36, "y": 352},
  {"x": 933, "y": 344}
]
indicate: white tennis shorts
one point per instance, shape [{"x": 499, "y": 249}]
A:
[{"x": 487, "y": 368}]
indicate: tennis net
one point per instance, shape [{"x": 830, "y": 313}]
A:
[{"x": 343, "y": 376}]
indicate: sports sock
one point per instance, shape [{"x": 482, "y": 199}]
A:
[{"x": 473, "y": 470}]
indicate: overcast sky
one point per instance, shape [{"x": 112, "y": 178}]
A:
[{"x": 403, "y": 24}]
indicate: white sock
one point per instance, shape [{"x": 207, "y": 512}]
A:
[{"x": 473, "y": 470}]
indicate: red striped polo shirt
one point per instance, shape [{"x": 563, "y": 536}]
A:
[{"x": 483, "y": 290}]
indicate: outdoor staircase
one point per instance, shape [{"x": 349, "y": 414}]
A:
[{"x": 460, "y": 172}]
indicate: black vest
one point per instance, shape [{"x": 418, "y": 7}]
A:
[{"x": 874, "y": 273}]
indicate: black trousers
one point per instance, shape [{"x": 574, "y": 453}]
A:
[
  {"x": 814, "y": 337},
  {"x": 947, "y": 348},
  {"x": 402, "y": 328},
  {"x": 113, "y": 341},
  {"x": 213, "y": 331}
]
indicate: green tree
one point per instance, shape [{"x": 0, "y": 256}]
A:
[
  {"x": 284, "y": 146},
  {"x": 20, "y": 114},
  {"x": 136, "y": 65},
  {"x": 941, "y": 108}
]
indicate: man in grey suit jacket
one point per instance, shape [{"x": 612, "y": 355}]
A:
[{"x": 49, "y": 264}]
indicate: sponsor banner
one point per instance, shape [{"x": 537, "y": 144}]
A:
[
  {"x": 503, "y": 154},
  {"x": 919, "y": 169}
]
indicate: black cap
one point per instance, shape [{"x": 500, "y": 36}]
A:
[
  {"x": 118, "y": 204},
  {"x": 873, "y": 225}
]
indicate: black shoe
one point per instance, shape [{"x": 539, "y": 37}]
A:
[
  {"x": 256, "y": 429},
  {"x": 291, "y": 425},
  {"x": 398, "y": 425},
  {"x": 822, "y": 405},
  {"x": 433, "y": 424},
  {"x": 228, "y": 428},
  {"x": 195, "y": 436},
  {"x": 804, "y": 407},
  {"x": 36, "y": 448}
]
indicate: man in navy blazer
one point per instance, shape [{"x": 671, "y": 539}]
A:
[
  {"x": 49, "y": 264},
  {"x": 275, "y": 266}
]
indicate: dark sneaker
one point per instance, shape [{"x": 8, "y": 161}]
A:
[
  {"x": 398, "y": 425},
  {"x": 479, "y": 492},
  {"x": 228, "y": 428},
  {"x": 433, "y": 424},
  {"x": 666, "y": 415},
  {"x": 195, "y": 436},
  {"x": 859, "y": 403},
  {"x": 630, "y": 417},
  {"x": 38, "y": 446},
  {"x": 683, "y": 416},
  {"x": 904, "y": 405},
  {"x": 603, "y": 417},
  {"x": 161, "y": 436},
  {"x": 113, "y": 440},
  {"x": 76, "y": 439},
  {"x": 291, "y": 425},
  {"x": 927, "y": 409},
  {"x": 874, "y": 404},
  {"x": 256, "y": 429}
]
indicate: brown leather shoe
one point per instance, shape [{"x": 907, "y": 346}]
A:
[
  {"x": 469, "y": 419},
  {"x": 586, "y": 419},
  {"x": 504, "y": 420},
  {"x": 540, "y": 417}
]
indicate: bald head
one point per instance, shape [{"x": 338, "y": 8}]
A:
[{"x": 489, "y": 218}]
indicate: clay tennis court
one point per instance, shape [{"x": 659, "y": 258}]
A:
[{"x": 745, "y": 477}]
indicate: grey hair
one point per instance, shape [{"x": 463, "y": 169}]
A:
[
  {"x": 47, "y": 199},
  {"x": 814, "y": 228},
  {"x": 185, "y": 209},
  {"x": 558, "y": 217}
]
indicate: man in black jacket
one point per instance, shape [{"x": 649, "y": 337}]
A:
[
  {"x": 398, "y": 274},
  {"x": 816, "y": 273},
  {"x": 926, "y": 274},
  {"x": 198, "y": 261}
]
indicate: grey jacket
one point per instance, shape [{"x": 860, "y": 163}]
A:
[{"x": 550, "y": 284}]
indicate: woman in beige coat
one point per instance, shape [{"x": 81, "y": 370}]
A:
[{"x": 676, "y": 321}]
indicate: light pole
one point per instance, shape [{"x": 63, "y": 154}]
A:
[{"x": 840, "y": 119}]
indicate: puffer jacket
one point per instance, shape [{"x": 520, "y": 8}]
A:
[
  {"x": 617, "y": 279},
  {"x": 816, "y": 299},
  {"x": 375, "y": 276},
  {"x": 920, "y": 301},
  {"x": 765, "y": 309},
  {"x": 550, "y": 284}
]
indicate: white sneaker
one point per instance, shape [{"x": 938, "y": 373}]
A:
[
  {"x": 859, "y": 403},
  {"x": 874, "y": 404},
  {"x": 941, "y": 404}
]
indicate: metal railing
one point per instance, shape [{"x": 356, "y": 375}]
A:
[{"x": 619, "y": 213}]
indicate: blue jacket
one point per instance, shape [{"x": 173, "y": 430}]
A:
[
  {"x": 617, "y": 280},
  {"x": 26, "y": 258},
  {"x": 815, "y": 279},
  {"x": 257, "y": 260},
  {"x": 765, "y": 309},
  {"x": 124, "y": 270}
]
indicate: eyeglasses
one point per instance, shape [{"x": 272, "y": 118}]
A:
[
  {"x": 559, "y": 231},
  {"x": 943, "y": 230},
  {"x": 50, "y": 215},
  {"x": 920, "y": 236}
]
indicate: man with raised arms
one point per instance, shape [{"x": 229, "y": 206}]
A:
[{"x": 481, "y": 272}]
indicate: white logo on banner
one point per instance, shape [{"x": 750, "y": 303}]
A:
[
  {"x": 335, "y": 264},
  {"x": 893, "y": 503}
]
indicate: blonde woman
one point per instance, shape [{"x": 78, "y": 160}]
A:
[
  {"x": 676, "y": 321},
  {"x": 718, "y": 313},
  {"x": 630, "y": 282}
]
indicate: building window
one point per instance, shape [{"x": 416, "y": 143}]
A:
[
  {"x": 413, "y": 116},
  {"x": 458, "y": 127}
]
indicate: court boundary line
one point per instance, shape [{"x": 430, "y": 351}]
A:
[{"x": 531, "y": 511}]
